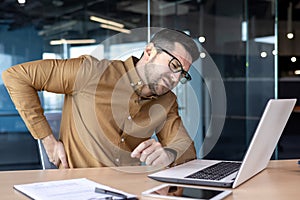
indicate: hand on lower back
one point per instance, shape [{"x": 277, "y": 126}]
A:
[{"x": 55, "y": 151}]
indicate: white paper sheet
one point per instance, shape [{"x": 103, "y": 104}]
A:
[{"x": 72, "y": 189}]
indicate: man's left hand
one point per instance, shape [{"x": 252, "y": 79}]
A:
[{"x": 152, "y": 153}]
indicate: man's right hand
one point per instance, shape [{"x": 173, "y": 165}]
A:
[{"x": 55, "y": 151}]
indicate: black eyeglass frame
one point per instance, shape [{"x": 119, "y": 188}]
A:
[{"x": 185, "y": 76}]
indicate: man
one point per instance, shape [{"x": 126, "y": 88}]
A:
[{"x": 111, "y": 108}]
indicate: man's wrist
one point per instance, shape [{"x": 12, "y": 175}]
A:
[
  {"x": 172, "y": 153},
  {"x": 50, "y": 139}
]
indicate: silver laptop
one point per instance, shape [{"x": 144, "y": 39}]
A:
[{"x": 231, "y": 173}]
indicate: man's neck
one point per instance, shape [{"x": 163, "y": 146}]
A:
[{"x": 145, "y": 91}]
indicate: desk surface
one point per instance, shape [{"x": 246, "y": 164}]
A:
[{"x": 281, "y": 180}]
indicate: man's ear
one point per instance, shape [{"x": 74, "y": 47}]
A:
[{"x": 150, "y": 51}]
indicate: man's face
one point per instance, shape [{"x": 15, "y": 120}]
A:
[{"x": 160, "y": 70}]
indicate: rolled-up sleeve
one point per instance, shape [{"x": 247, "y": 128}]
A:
[{"x": 23, "y": 82}]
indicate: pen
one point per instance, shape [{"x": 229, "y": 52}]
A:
[
  {"x": 103, "y": 191},
  {"x": 116, "y": 194}
]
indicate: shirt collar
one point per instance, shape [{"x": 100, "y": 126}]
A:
[{"x": 135, "y": 80}]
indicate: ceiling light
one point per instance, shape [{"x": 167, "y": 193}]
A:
[
  {"x": 202, "y": 55},
  {"x": 263, "y": 54},
  {"x": 21, "y": 1},
  {"x": 293, "y": 59},
  {"x": 201, "y": 39},
  {"x": 266, "y": 39},
  {"x": 297, "y": 72},
  {"x": 244, "y": 30},
  {"x": 290, "y": 35},
  {"x": 123, "y": 30},
  {"x": 105, "y": 21},
  {"x": 78, "y": 41}
]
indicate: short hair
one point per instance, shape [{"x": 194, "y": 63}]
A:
[{"x": 166, "y": 38}]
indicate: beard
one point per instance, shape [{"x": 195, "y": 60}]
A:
[
  {"x": 151, "y": 77},
  {"x": 158, "y": 84}
]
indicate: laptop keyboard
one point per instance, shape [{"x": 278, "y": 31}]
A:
[{"x": 216, "y": 171}]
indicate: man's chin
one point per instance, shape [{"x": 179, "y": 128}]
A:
[{"x": 161, "y": 90}]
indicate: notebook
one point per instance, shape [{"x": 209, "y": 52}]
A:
[{"x": 256, "y": 159}]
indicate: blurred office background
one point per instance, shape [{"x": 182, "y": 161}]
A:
[{"x": 253, "y": 43}]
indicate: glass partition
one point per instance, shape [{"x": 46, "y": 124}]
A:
[{"x": 242, "y": 52}]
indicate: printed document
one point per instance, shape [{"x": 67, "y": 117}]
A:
[{"x": 75, "y": 189}]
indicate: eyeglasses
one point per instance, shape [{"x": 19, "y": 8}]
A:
[{"x": 175, "y": 66}]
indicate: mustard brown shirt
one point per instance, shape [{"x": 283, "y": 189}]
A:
[{"x": 103, "y": 117}]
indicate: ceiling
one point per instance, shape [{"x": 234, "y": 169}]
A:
[
  {"x": 71, "y": 17},
  {"x": 53, "y": 16}
]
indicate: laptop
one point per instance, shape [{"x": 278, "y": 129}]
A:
[{"x": 230, "y": 174}]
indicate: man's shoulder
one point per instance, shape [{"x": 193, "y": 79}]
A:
[
  {"x": 93, "y": 59},
  {"x": 117, "y": 64},
  {"x": 93, "y": 62}
]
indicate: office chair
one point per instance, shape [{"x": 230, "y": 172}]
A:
[{"x": 54, "y": 121}]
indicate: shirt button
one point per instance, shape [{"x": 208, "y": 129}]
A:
[
  {"x": 129, "y": 117},
  {"x": 117, "y": 160},
  {"x": 122, "y": 139}
]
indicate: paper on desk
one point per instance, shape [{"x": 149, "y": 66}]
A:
[{"x": 72, "y": 189}]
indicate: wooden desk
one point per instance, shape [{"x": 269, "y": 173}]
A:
[{"x": 281, "y": 180}]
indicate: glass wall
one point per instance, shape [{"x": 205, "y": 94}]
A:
[
  {"x": 242, "y": 52},
  {"x": 18, "y": 150},
  {"x": 236, "y": 74}
]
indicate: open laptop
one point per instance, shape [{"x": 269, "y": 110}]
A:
[{"x": 256, "y": 159}]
